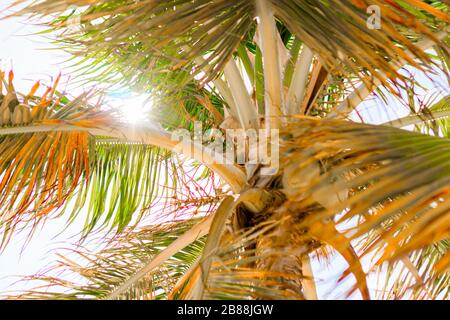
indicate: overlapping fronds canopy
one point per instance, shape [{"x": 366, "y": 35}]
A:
[
  {"x": 384, "y": 189},
  {"x": 128, "y": 41}
]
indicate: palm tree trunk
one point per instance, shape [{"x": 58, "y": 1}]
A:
[{"x": 281, "y": 255}]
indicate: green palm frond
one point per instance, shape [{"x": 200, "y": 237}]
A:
[
  {"x": 124, "y": 183},
  {"x": 158, "y": 41},
  {"x": 183, "y": 107},
  {"x": 442, "y": 124}
]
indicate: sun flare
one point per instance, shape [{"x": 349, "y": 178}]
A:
[{"x": 135, "y": 109}]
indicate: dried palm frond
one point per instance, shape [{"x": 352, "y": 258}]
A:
[
  {"x": 418, "y": 279},
  {"x": 84, "y": 274},
  {"x": 382, "y": 182},
  {"x": 40, "y": 171}
]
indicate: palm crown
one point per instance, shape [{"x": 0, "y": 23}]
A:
[{"x": 192, "y": 226}]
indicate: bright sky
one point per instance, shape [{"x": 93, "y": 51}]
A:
[
  {"x": 22, "y": 52},
  {"x": 31, "y": 59},
  {"x": 25, "y": 52}
]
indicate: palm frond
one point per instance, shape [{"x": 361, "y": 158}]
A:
[
  {"x": 369, "y": 192},
  {"x": 160, "y": 29},
  {"x": 424, "y": 282},
  {"x": 87, "y": 274},
  {"x": 370, "y": 180},
  {"x": 438, "y": 113},
  {"x": 40, "y": 171},
  {"x": 65, "y": 158}
]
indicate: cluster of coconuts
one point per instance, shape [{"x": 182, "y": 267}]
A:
[{"x": 12, "y": 112}]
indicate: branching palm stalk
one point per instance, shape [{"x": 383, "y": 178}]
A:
[{"x": 197, "y": 229}]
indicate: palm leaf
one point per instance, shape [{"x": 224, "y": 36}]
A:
[
  {"x": 61, "y": 154},
  {"x": 380, "y": 181},
  {"x": 436, "y": 113},
  {"x": 87, "y": 274},
  {"x": 423, "y": 283},
  {"x": 39, "y": 171}
]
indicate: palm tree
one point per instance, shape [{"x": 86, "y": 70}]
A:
[{"x": 199, "y": 228}]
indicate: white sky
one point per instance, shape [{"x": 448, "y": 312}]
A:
[
  {"x": 29, "y": 63},
  {"x": 25, "y": 52},
  {"x": 32, "y": 61}
]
